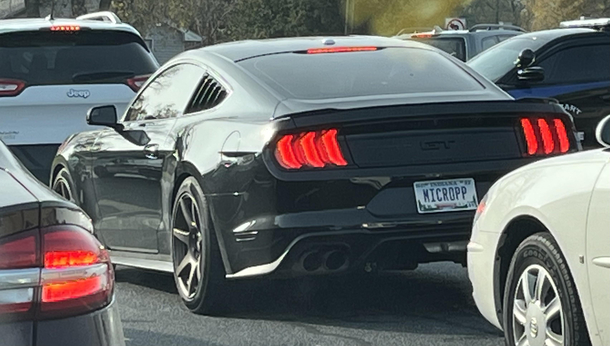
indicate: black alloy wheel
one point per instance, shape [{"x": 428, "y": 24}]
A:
[{"x": 198, "y": 270}]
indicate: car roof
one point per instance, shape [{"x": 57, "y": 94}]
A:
[
  {"x": 242, "y": 50},
  {"x": 549, "y": 35},
  {"x": 35, "y": 24},
  {"x": 494, "y": 32},
  {"x": 482, "y": 32}
]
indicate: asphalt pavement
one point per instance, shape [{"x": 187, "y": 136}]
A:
[{"x": 430, "y": 306}]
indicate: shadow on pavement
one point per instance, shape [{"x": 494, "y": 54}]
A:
[
  {"x": 134, "y": 337},
  {"x": 433, "y": 300},
  {"x": 157, "y": 281}
]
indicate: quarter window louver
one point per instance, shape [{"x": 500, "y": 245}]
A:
[{"x": 209, "y": 95}]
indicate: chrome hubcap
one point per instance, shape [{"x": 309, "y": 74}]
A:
[
  {"x": 62, "y": 188},
  {"x": 187, "y": 246},
  {"x": 537, "y": 311}
]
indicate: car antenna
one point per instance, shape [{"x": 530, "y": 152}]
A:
[{"x": 52, "y": 15}]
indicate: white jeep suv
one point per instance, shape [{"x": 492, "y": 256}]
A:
[{"x": 53, "y": 70}]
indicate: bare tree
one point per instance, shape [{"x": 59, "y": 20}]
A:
[
  {"x": 78, "y": 7},
  {"x": 32, "y": 8}
]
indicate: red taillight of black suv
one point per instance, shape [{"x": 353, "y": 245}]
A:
[{"x": 56, "y": 271}]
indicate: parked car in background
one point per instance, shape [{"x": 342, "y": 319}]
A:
[
  {"x": 56, "y": 280},
  {"x": 273, "y": 157},
  {"x": 53, "y": 70},
  {"x": 465, "y": 44},
  {"x": 570, "y": 65},
  {"x": 539, "y": 255}
]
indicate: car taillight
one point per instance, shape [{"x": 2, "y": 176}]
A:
[
  {"x": 11, "y": 87},
  {"x": 137, "y": 82},
  {"x": 315, "y": 149},
  {"x": 66, "y": 28},
  {"x": 61, "y": 272},
  {"x": 545, "y": 136},
  {"x": 340, "y": 50}
]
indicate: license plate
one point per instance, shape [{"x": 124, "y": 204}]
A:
[{"x": 440, "y": 196}]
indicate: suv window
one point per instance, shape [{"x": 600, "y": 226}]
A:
[
  {"x": 85, "y": 57},
  {"x": 455, "y": 46},
  {"x": 489, "y": 42},
  {"x": 388, "y": 71},
  {"x": 578, "y": 64},
  {"x": 167, "y": 95}
]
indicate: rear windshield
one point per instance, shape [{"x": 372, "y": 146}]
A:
[
  {"x": 498, "y": 60},
  {"x": 86, "y": 57},
  {"x": 388, "y": 71},
  {"x": 455, "y": 46}
]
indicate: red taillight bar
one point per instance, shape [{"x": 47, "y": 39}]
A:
[
  {"x": 137, "y": 82},
  {"x": 314, "y": 149},
  {"x": 530, "y": 136},
  {"x": 340, "y": 50},
  {"x": 544, "y": 136},
  {"x": 65, "y": 28},
  {"x": 562, "y": 134}
]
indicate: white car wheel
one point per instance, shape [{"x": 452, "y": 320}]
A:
[{"x": 541, "y": 304}]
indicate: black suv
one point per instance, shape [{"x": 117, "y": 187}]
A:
[
  {"x": 570, "y": 64},
  {"x": 465, "y": 44}
]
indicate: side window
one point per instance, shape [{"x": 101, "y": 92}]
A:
[
  {"x": 577, "y": 65},
  {"x": 208, "y": 95},
  {"x": 168, "y": 95},
  {"x": 489, "y": 42}
]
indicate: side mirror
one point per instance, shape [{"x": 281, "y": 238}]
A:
[
  {"x": 602, "y": 133},
  {"x": 526, "y": 58},
  {"x": 103, "y": 116},
  {"x": 531, "y": 74}
]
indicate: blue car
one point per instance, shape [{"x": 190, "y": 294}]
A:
[{"x": 570, "y": 64}]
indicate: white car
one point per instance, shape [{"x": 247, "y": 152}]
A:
[
  {"x": 539, "y": 255},
  {"x": 52, "y": 71}
]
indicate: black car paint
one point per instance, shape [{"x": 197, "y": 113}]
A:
[
  {"x": 26, "y": 205},
  {"x": 588, "y": 102},
  {"x": 227, "y": 150}
]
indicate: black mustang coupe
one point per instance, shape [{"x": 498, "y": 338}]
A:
[{"x": 300, "y": 156}]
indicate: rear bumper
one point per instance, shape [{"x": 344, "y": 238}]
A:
[
  {"x": 99, "y": 328},
  {"x": 333, "y": 242},
  {"x": 37, "y": 159}
]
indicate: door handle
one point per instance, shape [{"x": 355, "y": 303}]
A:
[
  {"x": 603, "y": 262},
  {"x": 151, "y": 151}
]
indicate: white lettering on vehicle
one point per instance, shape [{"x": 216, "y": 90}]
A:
[
  {"x": 79, "y": 93},
  {"x": 571, "y": 108}
]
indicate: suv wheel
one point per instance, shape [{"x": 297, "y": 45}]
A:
[{"x": 63, "y": 185}]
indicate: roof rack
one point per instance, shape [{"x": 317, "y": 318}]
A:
[
  {"x": 594, "y": 23},
  {"x": 413, "y": 30},
  {"x": 496, "y": 27},
  {"x": 104, "y": 16}
]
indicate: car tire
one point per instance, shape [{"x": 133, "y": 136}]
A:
[
  {"x": 538, "y": 259},
  {"x": 200, "y": 281},
  {"x": 63, "y": 185}
]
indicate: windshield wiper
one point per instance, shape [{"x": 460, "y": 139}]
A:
[{"x": 100, "y": 76}]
